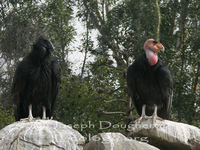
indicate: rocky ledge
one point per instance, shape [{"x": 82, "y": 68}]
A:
[{"x": 40, "y": 134}]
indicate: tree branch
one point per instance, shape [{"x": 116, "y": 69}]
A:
[
  {"x": 159, "y": 21},
  {"x": 100, "y": 98},
  {"x": 113, "y": 100},
  {"x": 100, "y": 25},
  {"x": 114, "y": 112},
  {"x": 118, "y": 69},
  {"x": 130, "y": 109},
  {"x": 93, "y": 17},
  {"x": 131, "y": 117},
  {"x": 102, "y": 111},
  {"x": 99, "y": 90},
  {"x": 100, "y": 18}
]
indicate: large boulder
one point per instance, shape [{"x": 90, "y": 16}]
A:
[
  {"x": 168, "y": 134},
  {"x": 116, "y": 141},
  {"x": 40, "y": 134}
]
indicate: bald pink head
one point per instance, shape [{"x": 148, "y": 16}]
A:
[{"x": 151, "y": 47}]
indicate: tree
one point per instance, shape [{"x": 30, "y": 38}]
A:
[
  {"x": 58, "y": 15},
  {"x": 124, "y": 26},
  {"x": 121, "y": 26},
  {"x": 23, "y": 23}
]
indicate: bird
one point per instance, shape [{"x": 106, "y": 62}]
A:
[
  {"x": 36, "y": 82},
  {"x": 150, "y": 84}
]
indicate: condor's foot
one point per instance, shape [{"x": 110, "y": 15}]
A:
[
  {"x": 44, "y": 115},
  {"x": 154, "y": 118},
  {"x": 29, "y": 119},
  {"x": 30, "y": 116},
  {"x": 143, "y": 116},
  {"x": 45, "y": 118}
]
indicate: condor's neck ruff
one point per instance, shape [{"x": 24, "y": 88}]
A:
[{"x": 152, "y": 57}]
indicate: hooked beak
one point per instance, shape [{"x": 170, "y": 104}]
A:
[
  {"x": 48, "y": 46},
  {"x": 51, "y": 46},
  {"x": 162, "y": 49}
]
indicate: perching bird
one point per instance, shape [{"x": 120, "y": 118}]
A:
[
  {"x": 150, "y": 83},
  {"x": 36, "y": 82}
]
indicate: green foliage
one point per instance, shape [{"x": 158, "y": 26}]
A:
[
  {"x": 21, "y": 23},
  {"x": 182, "y": 55},
  {"x": 6, "y": 117},
  {"x": 123, "y": 27},
  {"x": 78, "y": 103}
]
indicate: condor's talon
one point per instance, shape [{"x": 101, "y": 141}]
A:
[
  {"x": 143, "y": 116},
  {"x": 30, "y": 117},
  {"x": 155, "y": 116},
  {"x": 44, "y": 113}
]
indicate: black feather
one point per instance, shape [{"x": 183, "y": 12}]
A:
[
  {"x": 36, "y": 81},
  {"x": 150, "y": 85}
]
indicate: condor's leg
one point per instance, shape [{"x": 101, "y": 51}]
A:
[
  {"x": 143, "y": 116},
  {"x": 44, "y": 112},
  {"x": 155, "y": 116},
  {"x": 30, "y": 116}
]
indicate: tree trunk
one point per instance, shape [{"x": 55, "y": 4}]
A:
[
  {"x": 159, "y": 21},
  {"x": 180, "y": 45}
]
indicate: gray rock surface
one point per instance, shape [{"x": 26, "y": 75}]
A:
[
  {"x": 40, "y": 134},
  {"x": 116, "y": 141},
  {"x": 168, "y": 135},
  {"x": 53, "y": 135}
]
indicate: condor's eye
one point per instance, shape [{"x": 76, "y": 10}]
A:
[{"x": 155, "y": 42}]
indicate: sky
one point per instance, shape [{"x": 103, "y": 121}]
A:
[{"x": 75, "y": 56}]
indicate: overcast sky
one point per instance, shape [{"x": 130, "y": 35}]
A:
[{"x": 77, "y": 57}]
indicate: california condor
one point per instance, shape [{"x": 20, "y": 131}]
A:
[
  {"x": 36, "y": 82},
  {"x": 150, "y": 83}
]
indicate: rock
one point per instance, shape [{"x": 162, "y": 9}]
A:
[
  {"x": 168, "y": 134},
  {"x": 116, "y": 141},
  {"x": 40, "y": 134}
]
